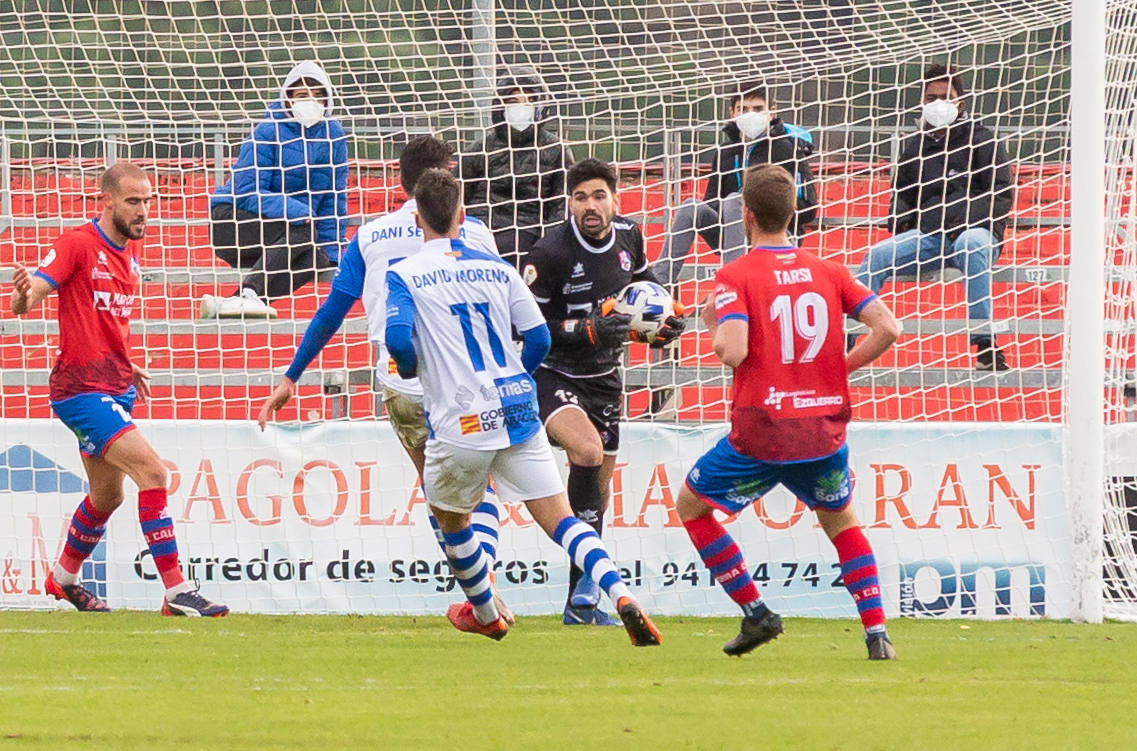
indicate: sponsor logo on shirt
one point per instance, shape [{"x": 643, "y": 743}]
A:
[
  {"x": 102, "y": 258},
  {"x": 97, "y": 273},
  {"x": 724, "y": 296},
  {"x": 392, "y": 368},
  {"x": 115, "y": 303},
  {"x": 571, "y": 289},
  {"x": 801, "y": 399},
  {"x": 518, "y": 410},
  {"x": 805, "y": 402},
  {"x": 625, "y": 260},
  {"x": 578, "y": 270},
  {"x": 521, "y": 386},
  {"x": 529, "y": 275},
  {"x": 469, "y": 424}
]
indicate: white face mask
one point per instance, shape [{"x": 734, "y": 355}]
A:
[
  {"x": 940, "y": 113},
  {"x": 519, "y": 116},
  {"x": 307, "y": 112},
  {"x": 753, "y": 124}
]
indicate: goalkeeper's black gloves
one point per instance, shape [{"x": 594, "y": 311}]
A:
[
  {"x": 599, "y": 329},
  {"x": 672, "y": 327}
]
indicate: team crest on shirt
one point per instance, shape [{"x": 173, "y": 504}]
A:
[
  {"x": 134, "y": 268},
  {"x": 625, "y": 260}
]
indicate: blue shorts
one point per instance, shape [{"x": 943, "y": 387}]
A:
[
  {"x": 97, "y": 420},
  {"x": 731, "y": 481}
]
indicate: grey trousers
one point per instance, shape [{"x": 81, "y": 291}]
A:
[{"x": 719, "y": 223}]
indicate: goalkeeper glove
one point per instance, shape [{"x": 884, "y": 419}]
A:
[
  {"x": 672, "y": 327},
  {"x": 601, "y": 328}
]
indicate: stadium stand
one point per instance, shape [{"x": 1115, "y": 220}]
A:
[{"x": 219, "y": 369}]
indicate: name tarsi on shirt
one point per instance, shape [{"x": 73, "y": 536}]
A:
[{"x": 791, "y": 392}]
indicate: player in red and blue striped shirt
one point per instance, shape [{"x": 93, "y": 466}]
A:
[
  {"x": 776, "y": 317},
  {"x": 94, "y": 270}
]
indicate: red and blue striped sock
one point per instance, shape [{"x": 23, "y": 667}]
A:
[
  {"x": 87, "y": 527},
  {"x": 721, "y": 555},
  {"x": 158, "y": 530},
  {"x": 858, "y": 570}
]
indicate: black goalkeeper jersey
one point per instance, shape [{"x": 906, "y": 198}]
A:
[{"x": 571, "y": 274}]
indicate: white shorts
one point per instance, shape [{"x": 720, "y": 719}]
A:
[{"x": 454, "y": 477}]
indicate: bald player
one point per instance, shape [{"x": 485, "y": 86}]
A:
[{"x": 94, "y": 270}]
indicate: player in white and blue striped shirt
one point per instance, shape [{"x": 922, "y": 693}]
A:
[
  {"x": 451, "y": 312},
  {"x": 379, "y": 243}
]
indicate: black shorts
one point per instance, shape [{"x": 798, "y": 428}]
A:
[{"x": 600, "y": 397}]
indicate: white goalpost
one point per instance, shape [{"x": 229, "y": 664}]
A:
[
  {"x": 986, "y": 494},
  {"x": 1085, "y": 418}
]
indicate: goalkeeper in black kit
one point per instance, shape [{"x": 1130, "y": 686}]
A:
[{"x": 576, "y": 271}]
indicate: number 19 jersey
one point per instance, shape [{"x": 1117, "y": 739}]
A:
[
  {"x": 791, "y": 392},
  {"x": 463, "y": 305}
]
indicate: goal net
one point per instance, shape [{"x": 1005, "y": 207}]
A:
[
  {"x": 959, "y": 470},
  {"x": 1120, "y": 310}
]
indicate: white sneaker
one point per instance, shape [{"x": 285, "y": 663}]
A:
[
  {"x": 245, "y": 305},
  {"x": 208, "y": 307}
]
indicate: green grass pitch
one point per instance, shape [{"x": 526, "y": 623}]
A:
[{"x": 137, "y": 680}]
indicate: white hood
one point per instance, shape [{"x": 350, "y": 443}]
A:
[{"x": 308, "y": 69}]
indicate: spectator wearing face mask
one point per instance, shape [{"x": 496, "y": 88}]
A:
[
  {"x": 951, "y": 196},
  {"x": 513, "y": 179},
  {"x": 753, "y": 135},
  {"x": 282, "y": 214}
]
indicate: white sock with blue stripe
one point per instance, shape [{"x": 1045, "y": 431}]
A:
[
  {"x": 470, "y": 564},
  {"x": 588, "y": 553},
  {"x": 485, "y": 521}
]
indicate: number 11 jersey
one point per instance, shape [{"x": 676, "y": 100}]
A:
[
  {"x": 791, "y": 392},
  {"x": 463, "y": 305}
]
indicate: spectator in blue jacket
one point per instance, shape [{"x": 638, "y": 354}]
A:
[{"x": 282, "y": 215}]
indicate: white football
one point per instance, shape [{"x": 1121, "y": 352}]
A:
[{"x": 648, "y": 304}]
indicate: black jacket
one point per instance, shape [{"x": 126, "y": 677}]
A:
[
  {"x": 511, "y": 179},
  {"x": 953, "y": 183},
  {"x": 781, "y": 147}
]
